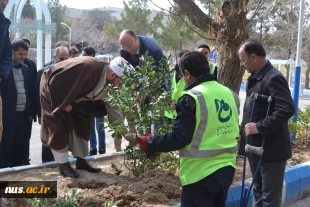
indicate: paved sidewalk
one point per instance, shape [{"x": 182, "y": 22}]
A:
[{"x": 36, "y": 145}]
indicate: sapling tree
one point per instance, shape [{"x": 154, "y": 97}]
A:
[{"x": 143, "y": 99}]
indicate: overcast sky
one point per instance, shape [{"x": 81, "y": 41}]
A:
[{"x": 89, "y": 4}]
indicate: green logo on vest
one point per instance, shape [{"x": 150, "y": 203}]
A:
[{"x": 223, "y": 110}]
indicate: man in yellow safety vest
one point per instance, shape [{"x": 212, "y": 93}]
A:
[
  {"x": 204, "y": 132},
  {"x": 177, "y": 86}
]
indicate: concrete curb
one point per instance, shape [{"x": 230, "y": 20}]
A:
[
  {"x": 6, "y": 171},
  {"x": 296, "y": 187}
]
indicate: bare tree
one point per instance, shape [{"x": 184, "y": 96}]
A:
[
  {"x": 86, "y": 31},
  {"x": 281, "y": 30},
  {"x": 89, "y": 29}
]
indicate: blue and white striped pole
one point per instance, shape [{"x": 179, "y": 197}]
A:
[{"x": 297, "y": 71}]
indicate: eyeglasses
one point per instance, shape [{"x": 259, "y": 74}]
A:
[
  {"x": 62, "y": 59},
  {"x": 129, "y": 46}
]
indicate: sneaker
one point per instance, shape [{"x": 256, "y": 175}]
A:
[
  {"x": 102, "y": 151},
  {"x": 92, "y": 151}
]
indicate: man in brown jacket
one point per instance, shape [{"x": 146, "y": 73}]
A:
[{"x": 71, "y": 95}]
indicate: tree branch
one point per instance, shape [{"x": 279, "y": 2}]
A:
[
  {"x": 182, "y": 20},
  {"x": 197, "y": 16},
  {"x": 162, "y": 8},
  {"x": 259, "y": 6},
  {"x": 195, "y": 30}
]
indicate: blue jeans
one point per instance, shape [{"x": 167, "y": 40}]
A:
[{"x": 101, "y": 135}]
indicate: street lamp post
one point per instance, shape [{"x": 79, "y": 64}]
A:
[{"x": 69, "y": 32}]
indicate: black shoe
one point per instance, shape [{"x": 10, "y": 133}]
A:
[
  {"x": 82, "y": 164},
  {"x": 92, "y": 151},
  {"x": 67, "y": 171},
  {"x": 26, "y": 163},
  {"x": 101, "y": 151}
]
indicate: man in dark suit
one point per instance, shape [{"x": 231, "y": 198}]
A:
[
  {"x": 18, "y": 108},
  {"x": 135, "y": 45},
  {"x": 58, "y": 44},
  {"x": 32, "y": 68}
]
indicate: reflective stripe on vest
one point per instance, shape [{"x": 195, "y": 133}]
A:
[
  {"x": 177, "y": 87},
  {"x": 193, "y": 151},
  {"x": 237, "y": 100},
  {"x": 212, "y": 68}
]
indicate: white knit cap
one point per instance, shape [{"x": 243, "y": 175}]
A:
[{"x": 118, "y": 65}]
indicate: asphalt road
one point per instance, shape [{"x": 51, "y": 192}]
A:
[{"x": 35, "y": 142}]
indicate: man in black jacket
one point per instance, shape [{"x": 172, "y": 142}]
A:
[
  {"x": 5, "y": 51},
  {"x": 18, "y": 107},
  {"x": 267, "y": 80}
]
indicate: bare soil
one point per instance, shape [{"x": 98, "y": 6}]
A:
[{"x": 155, "y": 188}]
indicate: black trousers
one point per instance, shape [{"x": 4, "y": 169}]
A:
[
  {"x": 268, "y": 184},
  {"x": 27, "y": 146},
  {"x": 47, "y": 155},
  {"x": 14, "y": 140},
  {"x": 210, "y": 191}
]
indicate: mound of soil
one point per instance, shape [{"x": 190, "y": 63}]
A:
[{"x": 156, "y": 187}]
